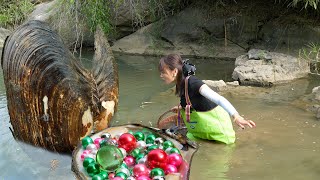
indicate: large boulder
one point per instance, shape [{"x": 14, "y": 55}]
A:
[{"x": 275, "y": 69}]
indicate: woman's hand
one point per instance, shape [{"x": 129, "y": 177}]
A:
[
  {"x": 240, "y": 121},
  {"x": 175, "y": 109}
]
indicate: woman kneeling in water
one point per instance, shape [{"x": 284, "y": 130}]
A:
[{"x": 205, "y": 113}]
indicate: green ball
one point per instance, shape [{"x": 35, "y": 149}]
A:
[
  {"x": 122, "y": 175},
  {"x": 139, "y": 156},
  {"x": 87, "y": 161},
  {"x": 156, "y": 172},
  {"x": 123, "y": 165},
  {"x": 86, "y": 141},
  {"x": 103, "y": 143},
  {"x": 152, "y": 147},
  {"x": 109, "y": 157},
  {"x": 93, "y": 169},
  {"x": 98, "y": 177},
  {"x": 139, "y": 136},
  {"x": 174, "y": 150},
  {"x": 104, "y": 174},
  {"x": 167, "y": 144},
  {"x": 136, "y": 152},
  {"x": 150, "y": 139}
]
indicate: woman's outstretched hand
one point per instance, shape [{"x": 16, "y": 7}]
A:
[{"x": 240, "y": 121}]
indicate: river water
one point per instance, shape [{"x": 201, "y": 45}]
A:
[{"x": 284, "y": 145}]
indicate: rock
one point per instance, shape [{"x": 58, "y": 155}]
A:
[
  {"x": 281, "y": 68},
  {"x": 258, "y": 54},
  {"x": 234, "y": 83},
  {"x": 216, "y": 85}
]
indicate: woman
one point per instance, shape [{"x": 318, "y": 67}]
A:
[{"x": 205, "y": 113}]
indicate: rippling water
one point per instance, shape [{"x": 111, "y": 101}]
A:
[{"x": 285, "y": 144}]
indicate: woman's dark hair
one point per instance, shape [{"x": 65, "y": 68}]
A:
[{"x": 173, "y": 61}]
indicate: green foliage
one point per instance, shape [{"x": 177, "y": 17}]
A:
[
  {"x": 303, "y": 3},
  {"x": 311, "y": 53},
  {"x": 13, "y": 12}
]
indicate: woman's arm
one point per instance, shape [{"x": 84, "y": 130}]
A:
[{"x": 226, "y": 105}]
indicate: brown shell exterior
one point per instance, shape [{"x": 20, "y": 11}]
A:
[{"x": 36, "y": 64}]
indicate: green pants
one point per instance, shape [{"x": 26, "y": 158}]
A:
[{"x": 211, "y": 125}]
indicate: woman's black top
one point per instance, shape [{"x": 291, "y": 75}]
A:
[{"x": 199, "y": 102}]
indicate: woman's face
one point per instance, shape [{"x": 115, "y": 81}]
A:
[{"x": 168, "y": 75}]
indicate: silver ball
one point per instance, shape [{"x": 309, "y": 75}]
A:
[
  {"x": 106, "y": 135},
  {"x": 168, "y": 150},
  {"x": 131, "y": 178},
  {"x": 158, "y": 178},
  {"x": 91, "y": 147},
  {"x": 142, "y": 160},
  {"x": 124, "y": 170},
  {"x": 158, "y": 141},
  {"x": 124, "y": 152},
  {"x": 141, "y": 144}
]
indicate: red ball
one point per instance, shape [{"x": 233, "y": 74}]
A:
[
  {"x": 127, "y": 141},
  {"x": 157, "y": 158}
]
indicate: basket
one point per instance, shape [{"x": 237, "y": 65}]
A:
[{"x": 168, "y": 119}]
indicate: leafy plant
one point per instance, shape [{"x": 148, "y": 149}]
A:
[
  {"x": 311, "y": 53},
  {"x": 13, "y": 12}
]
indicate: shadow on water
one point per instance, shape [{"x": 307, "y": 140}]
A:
[{"x": 285, "y": 144}]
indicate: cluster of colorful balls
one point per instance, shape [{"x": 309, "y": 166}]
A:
[{"x": 130, "y": 156}]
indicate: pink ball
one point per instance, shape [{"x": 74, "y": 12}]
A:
[
  {"x": 97, "y": 142},
  {"x": 117, "y": 178},
  {"x": 111, "y": 175},
  {"x": 170, "y": 169},
  {"x": 141, "y": 170},
  {"x": 175, "y": 159},
  {"x": 143, "y": 177},
  {"x": 84, "y": 154},
  {"x": 129, "y": 160}
]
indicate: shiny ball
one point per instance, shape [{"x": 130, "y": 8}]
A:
[
  {"x": 98, "y": 177},
  {"x": 124, "y": 152},
  {"x": 174, "y": 159},
  {"x": 97, "y": 141},
  {"x": 141, "y": 144},
  {"x": 167, "y": 144},
  {"x": 142, "y": 160},
  {"x": 150, "y": 139},
  {"x": 140, "y": 170},
  {"x": 174, "y": 150},
  {"x": 91, "y": 147},
  {"x": 158, "y": 178},
  {"x": 139, "y": 136},
  {"x": 170, "y": 169},
  {"x": 130, "y": 161},
  {"x": 87, "y": 161},
  {"x": 135, "y": 152},
  {"x": 127, "y": 141},
  {"x": 117, "y": 178},
  {"x": 109, "y": 157},
  {"x": 152, "y": 148},
  {"x": 93, "y": 169},
  {"x": 131, "y": 178},
  {"x": 104, "y": 174},
  {"x": 122, "y": 175},
  {"x": 144, "y": 177},
  {"x": 156, "y": 158},
  {"x": 105, "y": 135},
  {"x": 86, "y": 141},
  {"x": 158, "y": 140},
  {"x": 156, "y": 172},
  {"x": 123, "y": 170},
  {"x": 139, "y": 156}
]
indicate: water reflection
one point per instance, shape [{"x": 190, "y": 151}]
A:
[{"x": 285, "y": 144}]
